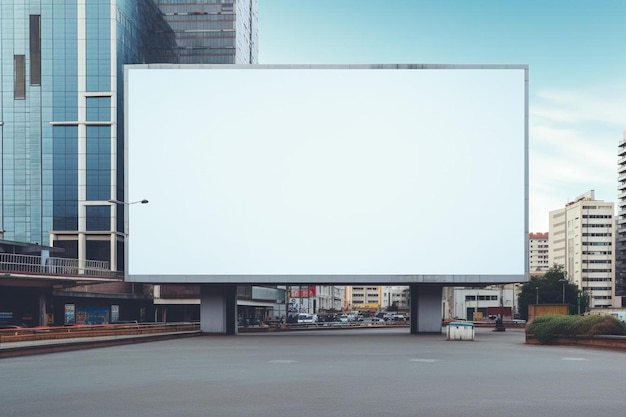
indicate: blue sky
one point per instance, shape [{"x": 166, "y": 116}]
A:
[{"x": 576, "y": 51}]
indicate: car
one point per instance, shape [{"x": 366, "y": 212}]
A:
[
  {"x": 307, "y": 318},
  {"x": 343, "y": 319},
  {"x": 373, "y": 320}
]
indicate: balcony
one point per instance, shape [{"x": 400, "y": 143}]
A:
[{"x": 51, "y": 267}]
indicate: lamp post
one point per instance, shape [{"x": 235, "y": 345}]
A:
[
  {"x": 513, "y": 301},
  {"x": 537, "y": 289},
  {"x": 125, "y": 235},
  {"x": 563, "y": 280}
]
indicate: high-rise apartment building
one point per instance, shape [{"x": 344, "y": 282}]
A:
[
  {"x": 538, "y": 253},
  {"x": 620, "y": 239},
  {"x": 581, "y": 239}
]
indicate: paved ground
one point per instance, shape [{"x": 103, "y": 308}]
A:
[{"x": 370, "y": 372}]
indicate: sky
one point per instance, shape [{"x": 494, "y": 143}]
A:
[{"x": 576, "y": 52}]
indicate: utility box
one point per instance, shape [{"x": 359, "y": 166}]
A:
[{"x": 459, "y": 330}]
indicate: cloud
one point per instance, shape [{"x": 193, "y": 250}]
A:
[{"x": 574, "y": 136}]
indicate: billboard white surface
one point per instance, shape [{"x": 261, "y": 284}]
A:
[{"x": 326, "y": 171}]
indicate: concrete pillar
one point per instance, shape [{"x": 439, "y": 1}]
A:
[
  {"x": 426, "y": 308},
  {"x": 43, "y": 312},
  {"x": 218, "y": 309}
]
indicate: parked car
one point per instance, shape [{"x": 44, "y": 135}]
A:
[
  {"x": 374, "y": 320},
  {"x": 343, "y": 319},
  {"x": 307, "y": 318}
]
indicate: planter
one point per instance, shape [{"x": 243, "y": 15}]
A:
[{"x": 610, "y": 342}]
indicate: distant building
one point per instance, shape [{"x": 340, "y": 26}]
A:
[
  {"x": 620, "y": 238},
  {"x": 480, "y": 303},
  {"x": 364, "y": 298},
  {"x": 581, "y": 239},
  {"x": 538, "y": 253},
  {"x": 316, "y": 299},
  {"x": 397, "y": 295}
]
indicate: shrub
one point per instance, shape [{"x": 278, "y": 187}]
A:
[
  {"x": 549, "y": 327},
  {"x": 611, "y": 326}
]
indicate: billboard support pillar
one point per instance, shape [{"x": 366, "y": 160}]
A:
[
  {"x": 426, "y": 314},
  {"x": 218, "y": 309}
]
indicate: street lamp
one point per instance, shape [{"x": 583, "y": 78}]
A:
[
  {"x": 563, "y": 280},
  {"x": 125, "y": 235},
  {"x": 144, "y": 201},
  {"x": 537, "y": 289}
]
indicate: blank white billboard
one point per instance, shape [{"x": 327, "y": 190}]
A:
[{"x": 279, "y": 170}]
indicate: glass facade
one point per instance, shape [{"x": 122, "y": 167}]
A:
[
  {"x": 213, "y": 31},
  {"x": 61, "y": 105}
]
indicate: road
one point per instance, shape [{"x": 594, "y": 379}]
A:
[{"x": 369, "y": 372}]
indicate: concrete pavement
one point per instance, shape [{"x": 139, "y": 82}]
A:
[{"x": 369, "y": 372}]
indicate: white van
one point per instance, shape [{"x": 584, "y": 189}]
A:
[{"x": 307, "y": 318}]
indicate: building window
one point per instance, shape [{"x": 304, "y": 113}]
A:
[
  {"x": 19, "y": 80},
  {"x": 98, "y": 218},
  {"x": 35, "y": 49}
]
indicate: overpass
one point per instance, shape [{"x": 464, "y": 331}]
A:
[{"x": 218, "y": 294}]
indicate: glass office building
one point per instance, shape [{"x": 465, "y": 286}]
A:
[
  {"x": 61, "y": 114},
  {"x": 213, "y": 31}
]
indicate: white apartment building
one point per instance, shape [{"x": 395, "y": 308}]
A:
[
  {"x": 398, "y": 294},
  {"x": 479, "y": 303},
  {"x": 538, "y": 253},
  {"x": 581, "y": 238}
]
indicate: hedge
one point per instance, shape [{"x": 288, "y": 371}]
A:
[{"x": 549, "y": 327}]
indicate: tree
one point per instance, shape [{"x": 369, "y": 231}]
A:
[{"x": 549, "y": 289}]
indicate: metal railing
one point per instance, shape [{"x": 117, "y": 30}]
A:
[
  {"x": 31, "y": 264},
  {"x": 93, "y": 331}
]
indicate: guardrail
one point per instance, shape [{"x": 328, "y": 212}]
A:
[{"x": 91, "y": 331}]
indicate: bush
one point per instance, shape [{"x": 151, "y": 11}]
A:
[
  {"x": 549, "y": 327},
  {"x": 612, "y": 326}
]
